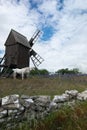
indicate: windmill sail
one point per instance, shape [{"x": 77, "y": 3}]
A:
[
  {"x": 34, "y": 37},
  {"x": 36, "y": 58},
  {"x": 2, "y": 60}
]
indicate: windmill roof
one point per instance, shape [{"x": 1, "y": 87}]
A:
[{"x": 19, "y": 38}]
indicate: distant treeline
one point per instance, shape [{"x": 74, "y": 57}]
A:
[
  {"x": 68, "y": 71},
  {"x": 60, "y": 71}
]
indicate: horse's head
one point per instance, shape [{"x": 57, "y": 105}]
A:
[
  {"x": 32, "y": 68},
  {"x": 28, "y": 69}
]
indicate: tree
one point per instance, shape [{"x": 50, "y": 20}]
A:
[{"x": 67, "y": 71}]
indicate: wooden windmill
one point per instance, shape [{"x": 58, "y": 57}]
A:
[{"x": 18, "y": 51}]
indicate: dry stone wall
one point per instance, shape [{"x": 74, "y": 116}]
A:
[{"x": 15, "y": 107}]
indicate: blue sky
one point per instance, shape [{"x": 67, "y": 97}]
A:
[{"x": 63, "y": 23}]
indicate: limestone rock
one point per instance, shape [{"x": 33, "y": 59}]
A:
[
  {"x": 53, "y": 106},
  {"x": 82, "y": 96},
  {"x": 61, "y": 98},
  {"x": 43, "y": 99},
  {"x": 72, "y": 93},
  {"x": 10, "y": 99},
  {"x": 26, "y": 102},
  {"x": 3, "y": 113}
]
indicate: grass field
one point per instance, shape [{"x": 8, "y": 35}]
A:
[
  {"x": 64, "y": 119},
  {"x": 39, "y": 85}
]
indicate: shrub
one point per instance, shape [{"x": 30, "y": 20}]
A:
[{"x": 39, "y": 72}]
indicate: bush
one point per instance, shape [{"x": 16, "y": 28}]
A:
[{"x": 39, "y": 72}]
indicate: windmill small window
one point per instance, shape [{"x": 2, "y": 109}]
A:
[{"x": 18, "y": 50}]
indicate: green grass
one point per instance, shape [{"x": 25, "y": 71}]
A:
[
  {"x": 41, "y": 86},
  {"x": 64, "y": 119}
]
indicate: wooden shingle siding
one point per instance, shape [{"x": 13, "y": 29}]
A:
[{"x": 17, "y": 50}]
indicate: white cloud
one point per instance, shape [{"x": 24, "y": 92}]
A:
[
  {"x": 67, "y": 46},
  {"x": 18, "y": 17}
]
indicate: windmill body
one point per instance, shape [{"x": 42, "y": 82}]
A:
[{"x": 17, "y": 50}]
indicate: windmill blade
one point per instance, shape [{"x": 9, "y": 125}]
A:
[
  {"x": 34, "y": 37},
  {"x": 1, "y": 59},
  {"x": 36, "y": 58}
]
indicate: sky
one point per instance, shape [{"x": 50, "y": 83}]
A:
[{"x": 63, "y": 25}]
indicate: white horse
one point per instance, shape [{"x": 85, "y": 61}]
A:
[{"x": 22, "y": 71}]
